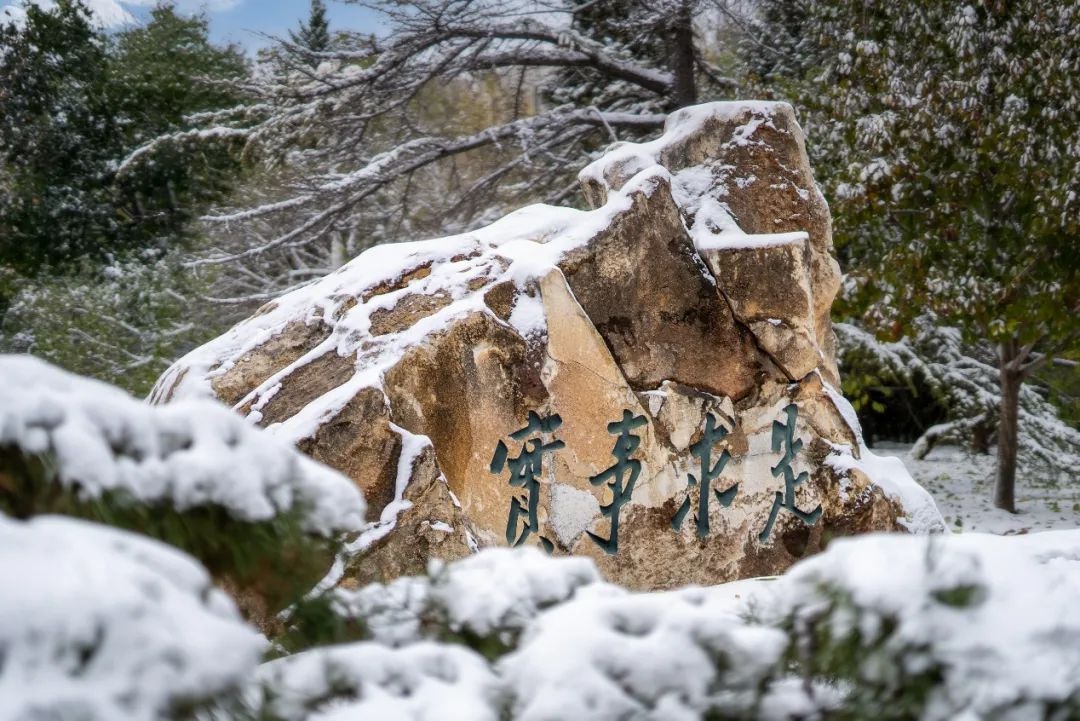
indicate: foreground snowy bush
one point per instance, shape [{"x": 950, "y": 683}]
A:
[
  {"x": 484, "y": 601},
  {"x": 515, "y": 634},
  {"x": 878, "y": 627},
  {"x": 192, "y": 474},
  {"x": 956, "y": 627},
  {"x": 612, "y": 655},
  {"x": 371, "y": 681},
  {"x": 101, "y": 625}
]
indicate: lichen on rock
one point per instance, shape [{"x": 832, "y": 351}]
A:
[{"x": 692, "y": 302}]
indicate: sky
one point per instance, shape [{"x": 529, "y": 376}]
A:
[{"x": 239, "y": 21}]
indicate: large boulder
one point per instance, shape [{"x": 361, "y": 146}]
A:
[{"x": 651, "y": 383}]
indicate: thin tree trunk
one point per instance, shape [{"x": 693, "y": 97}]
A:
[
  {"x": 684, "y": 90},
  {"x": 1011, "y": 379},
  {"x": 337, "y": 250}
]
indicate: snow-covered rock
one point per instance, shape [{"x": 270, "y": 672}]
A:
[
  {"x": 97, "y": 440},
  {"x": 742, "y": 180},
  {"x": 692, "y": 301},
  {"x": 98, "y": 624}
]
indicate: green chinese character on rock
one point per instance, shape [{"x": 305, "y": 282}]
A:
[
  {"x": 621, "y": 488},
  {"x": 783, "y": 437},
  {"x": 525, "y": 471},
  {"x": 702, "y": 450}
]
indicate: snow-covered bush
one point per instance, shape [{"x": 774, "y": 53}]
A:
[
  {"x": 881, "y": 627},
  {"x": 949, "y": 627},
  {"x": 424, "y": 681},
  {"x": 98, "y": 624},
  {"x": 484, "y": 601},
  {"x": 964, "y": 380},
  {"x": 516, "y": 634},
  {"x": 609, "y": 654},
  {"x": 192, "y": 474}
]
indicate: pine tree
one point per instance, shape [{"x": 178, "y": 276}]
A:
[
  {"x": 57, "y": 135},
  {"x": 163, "y": 72},
  {"x": 314, "y": 35},
  {"x": 949, "y": 141},
  {"x": 659, "y": 33},
  {"x": 88, "y": 255},
  {"x": 75, "y": 102}
]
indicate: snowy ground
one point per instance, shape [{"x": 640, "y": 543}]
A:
[{"x": 963, "y": 487}]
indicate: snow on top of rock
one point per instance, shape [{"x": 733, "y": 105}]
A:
[
  {"x": 995, "y": 616},
  {"x": 455, "y": 272},
  {"x": 188, "y": 454},
  {"x": 694, "y": 188},
  {"x": 412, "y": 446},
  {"x": 682, "y": 124},
  {"x": 98, "y": 624},
  {"x": 921, "y": 512},
  {"x": 889, "y": 474},
  {"x": 420, "y": 682},
  {"x": 520, "y": 248}
]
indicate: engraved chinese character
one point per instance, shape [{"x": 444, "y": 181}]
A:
[
  {"x": 621, "y": 487},
  {"x": 525, "y": 471},
  {"x": 702, "y": 450},
  {"x": 783, "y": 437}
]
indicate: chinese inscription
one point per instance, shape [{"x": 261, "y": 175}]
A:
[{"x": 536, "y": 440}]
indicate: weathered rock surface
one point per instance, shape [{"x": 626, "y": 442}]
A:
[{"x": 691, "y": 303}]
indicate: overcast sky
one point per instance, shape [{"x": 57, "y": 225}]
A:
[{"x": 238, "y": 21}]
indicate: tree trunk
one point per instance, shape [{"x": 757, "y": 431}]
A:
[
  {"x": 684, "y": 90},
  {"x": 1011, "y": 379},
  {"x": 982, "y": 434},
  {"x": 337, "y": 250}
]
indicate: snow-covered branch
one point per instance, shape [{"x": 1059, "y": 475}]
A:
[
  {"x": 412, "y": 156},
  {"x": 458, "y": 111}
]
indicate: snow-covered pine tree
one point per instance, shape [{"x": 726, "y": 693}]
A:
[
  {"x": 313, "y": 35},
  {"x": 88, "y": 271},
  {"x": 948, "y": 139},
  {"x": 963, "y": 379},
  {"x": 580, "y": 74},
  {"x": 75, "y": 102},
  {"x": 56, "y": 136}
]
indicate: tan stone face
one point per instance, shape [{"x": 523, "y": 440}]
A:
[{"x": 648, "y": 294}]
